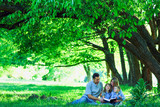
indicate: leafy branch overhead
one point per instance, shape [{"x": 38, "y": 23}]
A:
[{"x": 53, "y": 26}]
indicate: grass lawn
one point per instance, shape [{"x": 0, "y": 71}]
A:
[{"x": 17, "y": 94}]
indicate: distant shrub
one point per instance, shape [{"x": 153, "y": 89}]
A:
[
  {"x": 34, "y": 76},
  {"x": 21, "y": 77},
  {"x": 53, "y": 74},
  {"x": 45, "y": 77},
  {"x": 9, "y": 76}
]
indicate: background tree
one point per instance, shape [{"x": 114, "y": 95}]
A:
[
  {"x": 123, "y": 64},
  {"x": 126, "y": 22}
]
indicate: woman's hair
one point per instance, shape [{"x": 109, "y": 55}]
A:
[
  {"x": 110, "y": 88},
  {"x": 119, "y": 87},
  {"x": 115, "y": 81}
]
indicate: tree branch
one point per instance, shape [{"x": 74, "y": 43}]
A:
[
  {"x": 10, "y": 27},
  {"x": 3, "y": 14},
  {"x": 48, "y": 64},
  {"x": 79, "y": 63},
  {"x": 94, "y": 45},
  {"x": 10, "y": 9},
  {"x": 143, "y": 34},
  {"x": 129, "y": 46},
  {"x": 20, "y": 23}
]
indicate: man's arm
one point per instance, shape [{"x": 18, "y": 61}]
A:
[
  {"x": 94, "y": 98},
  {"x": 101, "y": 94}
]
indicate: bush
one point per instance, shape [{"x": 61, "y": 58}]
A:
[
  {"x": 138, "y": 93},
  {"x": 34, "y": 76},
  {"x": 53, "y": 74},
  {"x": 158, "y": 88},
  {"x": 45, "y": 77}
]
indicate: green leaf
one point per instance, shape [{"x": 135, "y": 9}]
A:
[
  {"x": 124, "y": 42},
  {"x": 113, "y": 34}
]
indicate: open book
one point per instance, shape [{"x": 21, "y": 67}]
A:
[{"x": 109, "y": 100}]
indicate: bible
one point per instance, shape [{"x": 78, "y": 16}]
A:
[{"x": 109, "y": 100}]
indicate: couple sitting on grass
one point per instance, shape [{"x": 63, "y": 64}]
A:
[{"x": 94, "y": 89}]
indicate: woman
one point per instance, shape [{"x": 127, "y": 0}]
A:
[{"x": 115, "y": 83}]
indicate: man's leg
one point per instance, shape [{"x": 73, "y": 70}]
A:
[
  {"x": 90, "y": 101},
  {"x": 83, "y": 99}
]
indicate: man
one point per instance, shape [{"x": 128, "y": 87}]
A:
[{"x": 93, "y": 90}]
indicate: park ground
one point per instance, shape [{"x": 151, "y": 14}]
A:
[{"x": 16, "y": 93}]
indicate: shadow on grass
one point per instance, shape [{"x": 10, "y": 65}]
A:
[
  {"x": 15, "y": 94},
  {"x": 10, "y": 87}
]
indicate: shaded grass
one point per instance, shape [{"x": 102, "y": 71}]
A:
[
  {"x": 17, "y": 94},
  {"x": 13, "y": 94}
]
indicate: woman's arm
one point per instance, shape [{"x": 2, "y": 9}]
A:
[{"x": 122, "y": 95}]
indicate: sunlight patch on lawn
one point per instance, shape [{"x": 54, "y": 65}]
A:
[
  {"x": 41, "y": 82},
  {"x": 18, "y": 92}
]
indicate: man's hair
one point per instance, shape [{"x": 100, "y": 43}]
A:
[{"x": 95, "y": 75}]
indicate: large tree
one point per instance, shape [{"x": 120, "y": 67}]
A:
[{"x": 124, "y": 21}]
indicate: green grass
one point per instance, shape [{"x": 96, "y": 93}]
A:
[
  {"x": 12, "y": 94},
  {"x": 16, "y": 94}
]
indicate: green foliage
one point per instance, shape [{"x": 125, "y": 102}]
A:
[
  {"x": 139, "y": 94},
  {"x": 54, "y": 74},
  {"x": 156, "y": 90},
  {"x": 7, "y": 48},
  {"x": 108, "y": 80},
  {"x": 49, "y": 26}
]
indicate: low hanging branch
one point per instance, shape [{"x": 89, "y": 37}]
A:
[
  {"x": 10, "y": 9},
  {"x": 48, "y": 64},
  {"x": 80, "y": 63},
  {"x": 95, "y": 46}
]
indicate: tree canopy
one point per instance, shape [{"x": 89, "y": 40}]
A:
[{"x": 50, "y": 26}]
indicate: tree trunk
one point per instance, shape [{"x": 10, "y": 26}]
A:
[
  {"x": 113, "y": 68},
  {"x": 138, "y": 46},
  {"x": 147, "y": 77},
  {"x": 134, "y": 73},
  {"x": 132, "y": 77},
  {"x": 158, "y": 87},
  {"x": 87, "y": 70},
  {"x": 112, "y": 54},
  {"x": 136, "y": 68},
  {"x": 159, "y": 50},
  {"x": 110, "y": 59},
  {"x": 123, "y": 65},
  {"x": 108, "y": 71},
  {"x": 153, "y": 66}
]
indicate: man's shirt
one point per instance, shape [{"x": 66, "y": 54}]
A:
[{"x": 93, "y": 89}]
